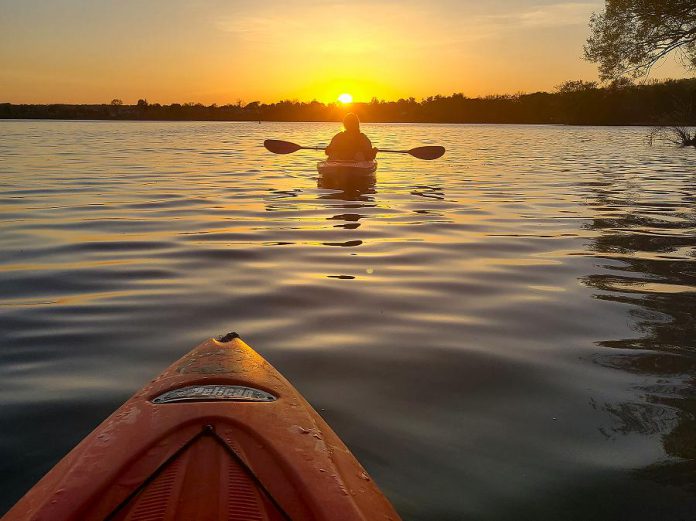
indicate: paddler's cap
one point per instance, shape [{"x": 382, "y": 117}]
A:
[{"x": 351, "y": 122}]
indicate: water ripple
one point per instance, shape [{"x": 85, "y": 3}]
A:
[{"x": 499, "y": 334}]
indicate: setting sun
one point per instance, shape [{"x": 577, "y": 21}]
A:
[{"x": 345, "y": 98}]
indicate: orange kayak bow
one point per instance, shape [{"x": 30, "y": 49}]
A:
[{"x": 220, "y": 435}]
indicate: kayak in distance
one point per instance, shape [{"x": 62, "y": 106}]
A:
[
  {"x": 347, "y": 168},
  {"x": 220, "y": 435}
]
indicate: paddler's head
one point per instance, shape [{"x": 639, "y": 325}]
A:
[{"x": 351, "y": 123}]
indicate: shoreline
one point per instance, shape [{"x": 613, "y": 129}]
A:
[
  {"x": 337, "y": 121},
  {"x": 671, "y": 102}
]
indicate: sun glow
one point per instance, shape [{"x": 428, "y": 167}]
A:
[{"x": 345, "y": 98}]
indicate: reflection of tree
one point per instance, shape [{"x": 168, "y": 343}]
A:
[{"x": 657, "y": 279}]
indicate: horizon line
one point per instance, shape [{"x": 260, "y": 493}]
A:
[{"x": 242, "y": 102}]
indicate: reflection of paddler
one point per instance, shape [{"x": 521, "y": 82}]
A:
[
  {"x": 346, "y": 180},
  {"x": 352, "y": 187}
]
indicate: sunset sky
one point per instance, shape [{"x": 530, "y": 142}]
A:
[{"x": 221, "y": 51}]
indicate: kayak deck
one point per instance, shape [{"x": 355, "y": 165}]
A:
[
  {"x": 356, "y": 168},
  {"x": 219, "y": 435}
]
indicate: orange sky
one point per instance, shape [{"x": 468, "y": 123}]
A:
[{"x": 221, "y": 51}]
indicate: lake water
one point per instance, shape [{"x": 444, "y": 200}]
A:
[{"x": 505, "y": 333}]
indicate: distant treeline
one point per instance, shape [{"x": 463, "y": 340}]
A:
[{"x": 573, "y": 102}]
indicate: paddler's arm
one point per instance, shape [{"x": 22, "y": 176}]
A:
[
  {"x": 370, "y": 152},
  {"x": 329, "y": 150}
]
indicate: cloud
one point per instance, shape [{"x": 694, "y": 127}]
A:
[
  {"x": 533, "y": 17},
  {"x": 330, "y": 28},
  {"x": 492, "y": 26},
  {"x": 338, "y": 28},
  {"x": 557, "y": 15}
]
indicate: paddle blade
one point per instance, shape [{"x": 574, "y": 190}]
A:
[
  {"x": 281, "y": 147},
  {"x": 430, "y": 152}
]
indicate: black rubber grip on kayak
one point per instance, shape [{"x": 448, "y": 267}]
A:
[{"x": 229, "y": 336}]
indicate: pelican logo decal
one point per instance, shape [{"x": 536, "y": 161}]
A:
[{"x": 214, "y": 393}]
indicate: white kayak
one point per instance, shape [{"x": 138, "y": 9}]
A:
[{"x": 347, "y": 168}]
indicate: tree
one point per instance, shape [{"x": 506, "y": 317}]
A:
[
  {"x": 116, "y": 102},
  {"x": 630, "y": 36},
  {"x": 575, "y": 86},
  {"x": 621, "y": 83},
  {"x": 678, "y": 135}
]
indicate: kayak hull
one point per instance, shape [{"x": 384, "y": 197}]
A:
[
  {"x": 347, "y": 168},
  {"x": 219, "y": 435}
]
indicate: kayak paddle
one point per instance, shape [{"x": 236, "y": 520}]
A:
[{"x": 286, "y": 147}]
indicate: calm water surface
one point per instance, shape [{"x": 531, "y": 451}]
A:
[{"x": 505, "y": 333}]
